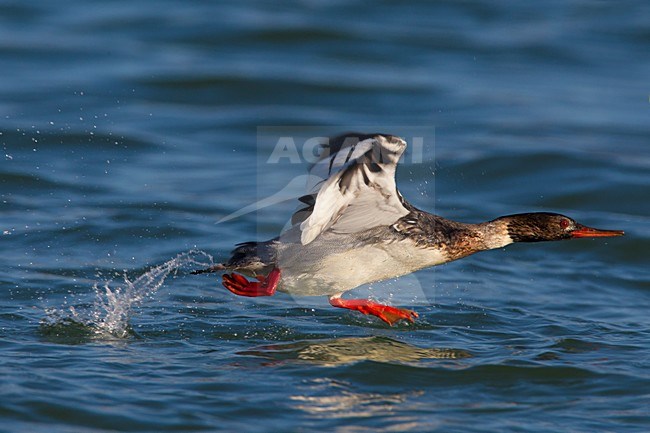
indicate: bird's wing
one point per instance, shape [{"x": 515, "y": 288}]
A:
[{"x": 358, "y": 189}]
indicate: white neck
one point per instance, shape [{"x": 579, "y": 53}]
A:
[{"x": 495, "y": 234}]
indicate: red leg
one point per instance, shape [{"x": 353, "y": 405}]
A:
[
  {"x": 386, "y": 313},
  {"x": 265, "y": 286}
]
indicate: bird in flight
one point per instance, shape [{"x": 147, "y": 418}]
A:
[{"x": 355, "y": 228}]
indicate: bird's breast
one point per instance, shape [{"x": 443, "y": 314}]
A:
[{"x": 338, "y": 270}]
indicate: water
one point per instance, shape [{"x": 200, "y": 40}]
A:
[
  {"x": 112, "y": 310},
  {"x": 128, "y": 131}
]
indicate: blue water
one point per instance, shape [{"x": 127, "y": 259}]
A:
[{"x": 128, "y": 129}]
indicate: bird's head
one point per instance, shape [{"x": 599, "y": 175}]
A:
[{"x": 544, "y": 226}]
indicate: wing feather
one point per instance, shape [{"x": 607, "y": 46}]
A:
[{"x": 358, "y": 189}]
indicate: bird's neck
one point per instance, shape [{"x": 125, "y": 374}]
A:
[
  {"x": 452, "y": 239},
  {"x": 494, "y": 233}
]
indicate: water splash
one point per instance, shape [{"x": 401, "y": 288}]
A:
[{"x": 111, "y": 312}]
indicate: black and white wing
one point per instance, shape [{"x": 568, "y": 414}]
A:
[{"x": 358, "y": 189}]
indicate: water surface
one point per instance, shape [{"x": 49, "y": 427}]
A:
[{"x": 129, "y": 129}]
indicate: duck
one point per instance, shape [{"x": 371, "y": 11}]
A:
[{"x": 354, "y": 227}]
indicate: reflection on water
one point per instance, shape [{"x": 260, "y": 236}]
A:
[
  {"x": 328, "y": 398},
  {"x": 353, "y": 349}
]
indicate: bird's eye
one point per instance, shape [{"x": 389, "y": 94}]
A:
[{"x": 564, "y": 223}]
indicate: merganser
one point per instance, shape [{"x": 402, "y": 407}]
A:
[{"x": 356, "y": 228}]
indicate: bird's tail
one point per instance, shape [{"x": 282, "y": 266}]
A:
[
  {"x": 214, "y": 268},
  {"x": 247, "y": 257}
]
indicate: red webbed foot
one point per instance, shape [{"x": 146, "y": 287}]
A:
[
  {"x": 386, "y": 313},
  {"x": 264, "y": 286}
]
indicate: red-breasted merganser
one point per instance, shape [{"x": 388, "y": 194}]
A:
[{"x": 356, "y": 228}]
